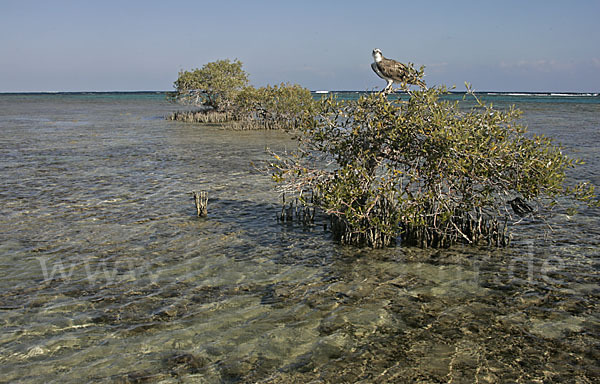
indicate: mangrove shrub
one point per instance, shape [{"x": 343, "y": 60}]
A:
[
  {"x": 214, "y": 86},
  {"x": 280, "y": 106},
  {"x": 423, "y": 170},
  {"x": 221, "y": 91}
]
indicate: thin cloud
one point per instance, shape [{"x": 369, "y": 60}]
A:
[{"x": 542, "y": 65}]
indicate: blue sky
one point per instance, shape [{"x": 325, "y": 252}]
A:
[{"x": 502, "y": 45}]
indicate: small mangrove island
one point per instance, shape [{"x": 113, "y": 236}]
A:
[
  {"x": 422, "y": 172},
  {"x": 221, "y": 95}
]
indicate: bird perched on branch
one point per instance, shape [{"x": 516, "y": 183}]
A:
[{"x": 395, "y": 72}]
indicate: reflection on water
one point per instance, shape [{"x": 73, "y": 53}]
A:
[{"x": 108, "y": 276}]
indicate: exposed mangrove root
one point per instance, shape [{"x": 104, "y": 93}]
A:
[
  {"x": 373, "y": 230},
  {"x": 461, "y": 228},
  {"x": 201, "y": 202},
  {"x": 297, "y": 211},
  {"x": 432, "y": 232},
  {"x": 234, "y": 121},
  {"x": 251, "y": 124},
  {"x": 372, "y": 237},
  {"x": 201, "y": 116}
]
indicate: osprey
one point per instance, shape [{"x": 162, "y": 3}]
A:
[{"x": 394, "y": 72}]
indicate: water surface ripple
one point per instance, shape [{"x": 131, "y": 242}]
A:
[{"x": 107, "y": 275}]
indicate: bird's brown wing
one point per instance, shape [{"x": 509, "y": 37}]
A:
[
  {"x": 393, "y": 69},
  {"x": 399, "y": 72}
]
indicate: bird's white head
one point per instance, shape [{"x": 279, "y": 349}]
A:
[{"x": 377, "y": 55}]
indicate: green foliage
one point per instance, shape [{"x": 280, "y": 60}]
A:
[
  {"x": 215, "y": 85},
  {"x": 283, "y": 105},
  {"x": 424, "y": 169},
  {"x": 222, "y": 86}
]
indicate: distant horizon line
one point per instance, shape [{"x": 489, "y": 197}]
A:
[{"x": 324, "y": 91}]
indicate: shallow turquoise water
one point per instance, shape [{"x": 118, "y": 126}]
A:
[{"x": 108, "y": 276}]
